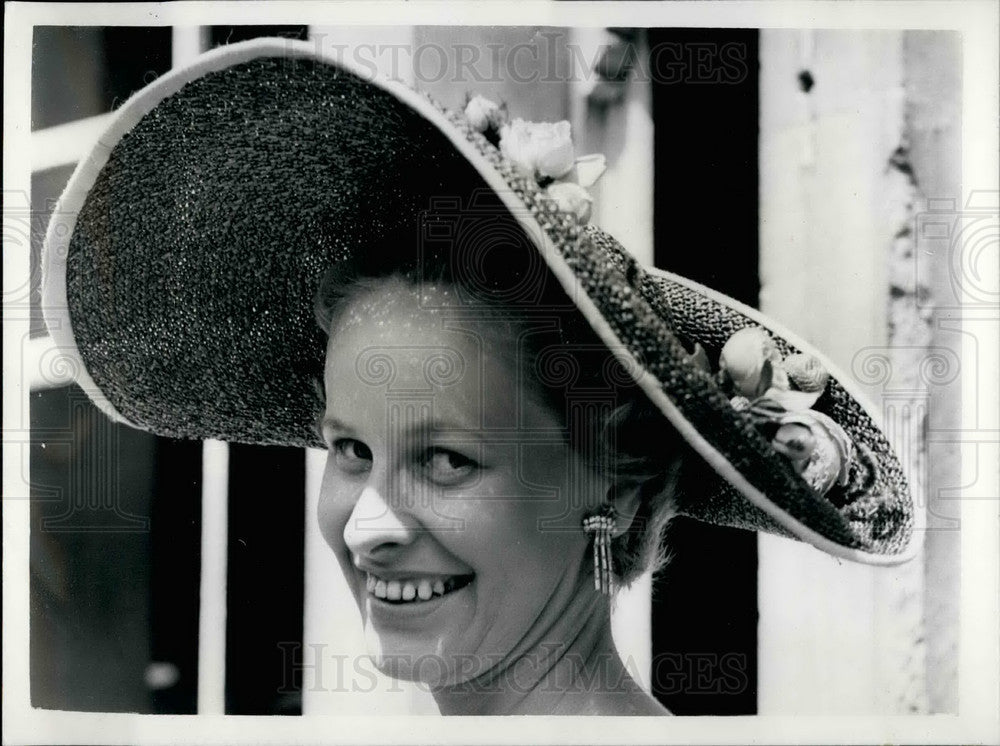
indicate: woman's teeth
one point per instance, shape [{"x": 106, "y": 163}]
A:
[{"x": 414, "y": 590}]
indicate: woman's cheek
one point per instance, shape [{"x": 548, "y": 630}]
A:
[
  {"x": 334, "y": 510},
  {"x": 561, "y": 484}
]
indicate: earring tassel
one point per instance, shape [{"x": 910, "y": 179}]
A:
[
  {"x": 597, "y": 562},
  {"x": 602, "y": 525},
  {"x": 606, "y": 557}
]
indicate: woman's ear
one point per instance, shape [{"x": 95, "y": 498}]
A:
[{"x": 626, "y": 496}]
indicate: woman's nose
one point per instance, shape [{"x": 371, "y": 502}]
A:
[{"x": 375, "y": 525}]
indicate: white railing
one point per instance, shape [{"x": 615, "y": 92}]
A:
[{"x": 65, "y": 144}]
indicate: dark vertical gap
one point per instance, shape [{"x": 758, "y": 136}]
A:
[
  {"x": 265, "y": 579},
  {"x": 134, "y": 58},
  {"x": 705, "y": 112},
  {"x": 89, "y": 557},
  {"x": 176, "y": 577},
  {"x": 68, "y": 75}
]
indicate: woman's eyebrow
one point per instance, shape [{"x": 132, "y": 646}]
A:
[
  {"x": 440, "y": 428},
  {"x": 423, "y": 428},
  {"x": 324, "y": 423}
]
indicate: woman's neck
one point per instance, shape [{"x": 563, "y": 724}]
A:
[{"x": 570, "y": 667}]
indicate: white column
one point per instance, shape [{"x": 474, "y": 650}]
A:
[
  {"x": 834, "y": 637},
  {"x": 214, "y": 561},
  {"x": 187, "y": 42}
]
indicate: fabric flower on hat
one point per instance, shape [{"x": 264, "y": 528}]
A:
[
  {"x": 806, "y": 372},
  {"x": 752, "y": 363},
  {"x": 807, "y": 379},
  {"x": 542, "y": 151},
  {"x": 777, "y": 393},
  {"x": 818, "y": 448},
  {"x": 485, "y": 115},
  {"x": 571, "y": 198},
  {"x": 538, "y": 149},
  {"x": 570, "y": 192},
  {"x": 587, "y": 169}
]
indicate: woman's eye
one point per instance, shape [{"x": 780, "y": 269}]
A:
[
  {"x": 352, "y": 455},
  {"x": 448, "y": 467}
]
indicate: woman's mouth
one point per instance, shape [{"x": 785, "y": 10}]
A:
[{"x": 414, "y": 590}]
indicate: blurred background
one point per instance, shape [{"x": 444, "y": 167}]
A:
[{"x": 796, "y": 171}]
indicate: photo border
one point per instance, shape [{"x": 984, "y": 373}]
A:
[{"x": 978, "y": 672}]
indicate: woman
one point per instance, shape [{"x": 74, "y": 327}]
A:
[
  {"x": 463, "y": 547},
  {"x": 512, "y": 407}
]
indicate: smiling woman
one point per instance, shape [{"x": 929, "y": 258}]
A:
[
  {"x": 455, "y": 509},
  {"x": 512, "y": 407}
]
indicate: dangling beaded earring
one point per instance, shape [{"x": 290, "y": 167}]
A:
[{"x": 601, "y": 523}]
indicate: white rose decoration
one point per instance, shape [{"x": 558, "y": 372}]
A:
[
  {"x": 743, "y": 359},
  {"x": 571, "y": 198},
  {"x": 538, "y": 148},
  {"x": 481, "y": 113}
]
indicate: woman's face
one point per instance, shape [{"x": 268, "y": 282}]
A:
[{"x": 450, "y": 496}]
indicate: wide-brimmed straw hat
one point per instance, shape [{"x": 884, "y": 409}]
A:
[{"x": 181, "y": 266}]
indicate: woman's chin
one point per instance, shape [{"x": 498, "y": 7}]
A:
[
  {"x": 423, "y": 672},
  {"x": 408, "y": 659},
  {"x": 422, "y": 642}
]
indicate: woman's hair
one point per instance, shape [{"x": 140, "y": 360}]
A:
[{"x": 621, "y": 433}]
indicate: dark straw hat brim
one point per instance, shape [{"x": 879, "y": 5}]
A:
[{"x": 183, "y": 258}]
